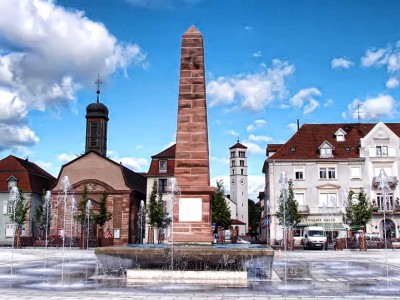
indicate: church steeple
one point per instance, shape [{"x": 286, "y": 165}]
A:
[{"x": 96, "y": 125}]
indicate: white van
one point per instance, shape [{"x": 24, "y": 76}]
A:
[{"x": 314, "y": 237}]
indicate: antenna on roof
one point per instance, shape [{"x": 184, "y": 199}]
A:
[
  {"x": 358, "y": 112},
  {"x": 238, "y": 139}
]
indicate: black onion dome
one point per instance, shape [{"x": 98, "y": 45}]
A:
[{"x": 97, "y": 110}]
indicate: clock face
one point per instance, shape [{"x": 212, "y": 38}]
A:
[
  {"x": 233, "y": 181},
  {"x": 242, "y": 181}
]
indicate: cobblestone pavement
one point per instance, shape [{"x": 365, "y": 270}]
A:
[{"x": 40, "y": 274}]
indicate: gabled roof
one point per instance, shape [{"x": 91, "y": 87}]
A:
[
  {"x": 273, "y": 148},
  {"x": 305, "y": 142},
  {"x": 167, "y": 153},
  {"x": 135, "y": 181},
  {"x": 238, "y": 145},
  {"x": 31, "y": 178}
]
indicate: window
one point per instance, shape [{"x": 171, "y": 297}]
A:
[
  {"x": 7, "y": 208},
  {"x": 340, "y": 137},
  {"x": 299, "y": 174},
  {"x": 242, "y": 163},
  {"x": 233, "y": 154},
  {"x": 328, "y": 199},
  {"x": 163, "y": 166},
  {"x": 162, "y": 185},
  {"x": 299, "y": 198},
  {"x": 232, "y": 163},
  {"x": 233, "y": 171},
  {"x": 241, "y": 171},
  {"x": 355, "y": 173},
  {"x": 385, "y": 205},
  {"x": 326, "y": 152},
  {"x": 9, "y": 230},
  {"x": 242, "y": 154},
  {"x": 327, "y": 173},
  {"x": 381, "y": 150}
]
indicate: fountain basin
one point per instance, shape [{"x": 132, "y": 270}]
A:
[{"x": 199, "y": 262}]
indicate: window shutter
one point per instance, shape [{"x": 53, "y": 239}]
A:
[{"x": 5, "y": 207}]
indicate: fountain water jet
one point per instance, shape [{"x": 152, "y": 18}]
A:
[{"x": 141, "y": 222}]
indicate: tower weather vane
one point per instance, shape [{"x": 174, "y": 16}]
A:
[{"x": 98, "y": 83}]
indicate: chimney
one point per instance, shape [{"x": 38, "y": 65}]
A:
[{"x": 298, "y": 124}]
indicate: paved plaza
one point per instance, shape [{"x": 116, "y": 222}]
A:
[{"x": 56, "y": 274}]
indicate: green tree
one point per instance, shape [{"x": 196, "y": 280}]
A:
[
  {"x": 43, "y": 214},
  {"x": 157, "y": 216},
  {"x": 81, "y": 215},
  {"x": 254, "y": 216},
  {"x": 20, "y": 209},
  {"x": 358, "y": 210},
  {"x": 103, "y": 215},
  {"x": 221, "y": 213},
  {"x": 288, "y": 213}
]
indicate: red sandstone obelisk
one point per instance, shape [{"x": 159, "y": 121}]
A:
[{"x": 192, "y": 212}]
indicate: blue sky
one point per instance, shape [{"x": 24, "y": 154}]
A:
[{"x": 268, "y": 63}]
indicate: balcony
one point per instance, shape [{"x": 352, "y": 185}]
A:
[
  {"x": 391, "y": 210},
  {"x": 392, "y": 181},
  {"x": 303, "y": 209}
]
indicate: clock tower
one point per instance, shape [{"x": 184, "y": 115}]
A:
[{"x": 238, "y": 183}]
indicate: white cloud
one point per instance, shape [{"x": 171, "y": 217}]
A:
[
  {"x": 51, "y": 53},
  {"x": 373, "y": 108},
  {"x": 254, "y": 91},
  {"x": 292, "y": 126},
  {"x": 248, "y": 27},
  {"x": 310, "y": 106},
  {"x": 257, "y": 124},
  {"x": 344, "y": 115},
  {"x": 252, "y": 148},
  {"x": 341, "y": 63},
  {"x": 256, "y": 184},
  {"x": 64, "y": 158},
  {"x": 220, "y": 160},
  {"x": 392, "y": 83},
  {"x": 328, "y": 103},
  {"x": 220, "y": 91},
  {"x": 257, "y": 54},
  {"x": 306, "y": 95},
  {"x": 134, "y": 163},
  {"x": 260, "y": 138},
  {"x": 233, "y": 133},
  {"x": 373, "y": 57},
  {"x": 12, "y": 136}
]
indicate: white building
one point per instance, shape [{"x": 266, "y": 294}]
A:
[
  {"x": 325, "y": 162},
  {"x": 239, "y": 187}
]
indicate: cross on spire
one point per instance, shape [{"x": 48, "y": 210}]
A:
[{"x": 98, "y": 83}]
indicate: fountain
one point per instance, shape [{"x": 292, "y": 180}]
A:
[
  {"x": 188, "y": 263},
  {"x": 88, "y": 212},
  {"x": 46, "y": 209},
  {"x": 14, "y": 196},
  {"x": 141, "y": 222}
]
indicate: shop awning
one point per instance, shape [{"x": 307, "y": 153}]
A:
[{"x": 332, "y": 226}]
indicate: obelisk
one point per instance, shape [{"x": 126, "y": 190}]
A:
[{"x": 192, "y": 213}]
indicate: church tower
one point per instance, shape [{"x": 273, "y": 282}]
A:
[
  {"x": 238, "y": 182},
  {"x": 96, "y": 125}
]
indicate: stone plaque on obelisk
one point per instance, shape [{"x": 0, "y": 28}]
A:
[{"x": 192, "y": 212}]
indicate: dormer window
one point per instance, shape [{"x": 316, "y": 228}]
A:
[
  {"x": 340, "y": 135},
  {"x": 163, "y": 166},
  {"x": 326, "y": 150},
  {"x": 12, "y": 182}
]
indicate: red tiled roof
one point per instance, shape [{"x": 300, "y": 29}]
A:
[
  {"x": 238, "y": 145},
  {"x": 168, "y": 155},
  {"x": 31, "y": 178},
  {"x": 273, "y": 148},
  {"x": 305, "y": 142}
]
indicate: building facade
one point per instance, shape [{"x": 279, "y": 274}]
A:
[
  {"x": 325, "y": 162},
  {"x": 239, "y": 187},
  {"x": 33, "y": 180}
]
